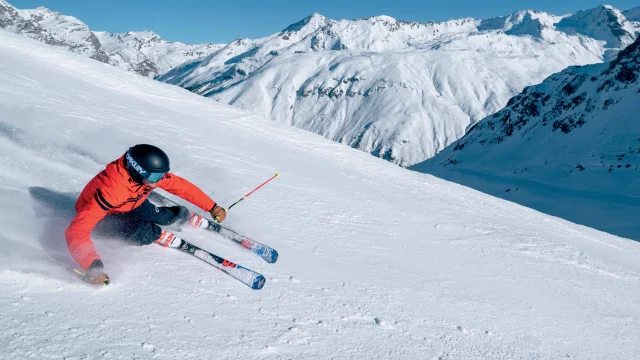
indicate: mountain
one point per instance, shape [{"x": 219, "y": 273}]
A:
[
  {"x": 163, "y": 55},
  {"x": 402, "y": 91},
  {"x": 126, "y": 57},
  {"x": 144, "y": 53},
  {"x": 376, "y": 262},
  {"x": 52, "y": 28},
  {"x": 577, "y": 133},
  {"x": 603, "y": 23},
  {"x": 632, "y": 14}
]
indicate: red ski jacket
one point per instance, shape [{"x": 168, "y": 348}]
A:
[{"x": 114, "y": 191}]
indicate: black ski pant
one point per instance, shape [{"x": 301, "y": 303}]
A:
[{"x": 140, "y": 225}]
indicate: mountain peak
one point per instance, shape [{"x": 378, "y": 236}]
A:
[
  {"x": 147, "y": 35},
  {"x": 142, "y": 33},
  {"x": 383, "y": 18},
  {"x": 314, "y": 21},
  {"x": 522, "y": 22},
  {"x": 605, "y": 23}
]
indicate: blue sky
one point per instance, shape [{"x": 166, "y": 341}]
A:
[{"x": 199, "y": 21}]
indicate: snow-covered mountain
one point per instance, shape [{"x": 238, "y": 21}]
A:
[
  {"x": 400, "y": 90},
  {"x": 52, "y": 28},
  {"x": 126, "y": 57},
  {"x": 603, "y": 23},
  {"x": 149, "y": 49},
  {"x": 376, "y": 262},
  {"x": 144, "y": 53},
  {"x": 578, "y": 131}
]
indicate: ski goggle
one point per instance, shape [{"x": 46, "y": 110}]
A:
[{"x": 153, "y": 177}]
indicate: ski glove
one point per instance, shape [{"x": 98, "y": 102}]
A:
[
  {"x": 218, "y": 213},
  {"x": 94, "y": 274}
]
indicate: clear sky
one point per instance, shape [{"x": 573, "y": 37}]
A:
[{"x": 222, "y": 21}]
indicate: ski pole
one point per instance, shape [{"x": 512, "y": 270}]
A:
[{"x": 247, "y": 195}]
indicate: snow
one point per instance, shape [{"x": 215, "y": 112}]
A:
[
  {"x": 147, "y": 54},
  {"x": 52, "y": 28},
  {"x": 602, "y": 23},
  {"x": 376, "y": 262},
  {"x": 144, "y": 53},
  {"x": 402, "y": 91},
  {"x": 164, "y": 54},
  {"x": 126, "y": 57},
  {"x": 569, "y": 147}
]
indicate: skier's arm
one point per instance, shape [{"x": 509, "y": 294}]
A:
[
  {"x": 79, "y": 231},
  {"x": 183, "y": 188}
]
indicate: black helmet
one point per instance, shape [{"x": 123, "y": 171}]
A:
[{"x": 146, "y": 162}]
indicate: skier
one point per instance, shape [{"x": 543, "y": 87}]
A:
[{"x": 119, "y": 195}]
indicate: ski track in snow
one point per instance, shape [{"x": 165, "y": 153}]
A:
[{"x": 376, "y": 262}]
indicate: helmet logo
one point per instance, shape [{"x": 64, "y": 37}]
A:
[{"x": 135, "y": 165}]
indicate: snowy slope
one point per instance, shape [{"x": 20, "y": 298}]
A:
[
  {"x": 400, "y": 90},
  {"x": 577, "y": 133},
  {"x": 144, "y": 53},
  {"x": 376, "y": 262}
]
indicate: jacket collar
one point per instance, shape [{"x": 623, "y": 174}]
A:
[{"x": 118, "y": 172}]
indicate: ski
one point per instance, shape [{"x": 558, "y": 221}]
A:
[
  {"x": 267, "y": 253},
  {"x": 246, "y": 276}
]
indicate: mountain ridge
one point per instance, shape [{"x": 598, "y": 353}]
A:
[
  {"x": 331, "y": 77},
  {"x": 140, "y": 52},
  {"x": 574, "y": 133}
]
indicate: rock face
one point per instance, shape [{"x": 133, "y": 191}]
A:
[
  {"x": 539, "y": 125},
  {"x": 52, "y": 28},
  {"x": 148, "y": 53},
  {"x": 569, "y": 146},
  {"x": 402, "y": 91},
  {"x": 144, "y": 53}
]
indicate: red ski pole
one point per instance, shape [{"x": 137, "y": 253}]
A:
[{"x": 248, "y": 194}]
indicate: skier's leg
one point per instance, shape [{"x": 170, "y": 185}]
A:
[
  {"x": 140, "y": 226},
  {"x": 160, "y": 215},
  {"x": 139, "y": 232}
]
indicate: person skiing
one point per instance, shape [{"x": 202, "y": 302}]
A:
[{"x": 117, "y": 199}]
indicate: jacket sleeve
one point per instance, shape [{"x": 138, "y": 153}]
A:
[
  {"x": 79, "y": 231},
  {"x": 183, "y": 188}
]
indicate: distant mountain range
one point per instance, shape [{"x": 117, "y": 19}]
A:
[
  {"x": 144, "y": 53},
  {"x": 402, "y": 91},
  {"x": 569, "y": 146}
]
